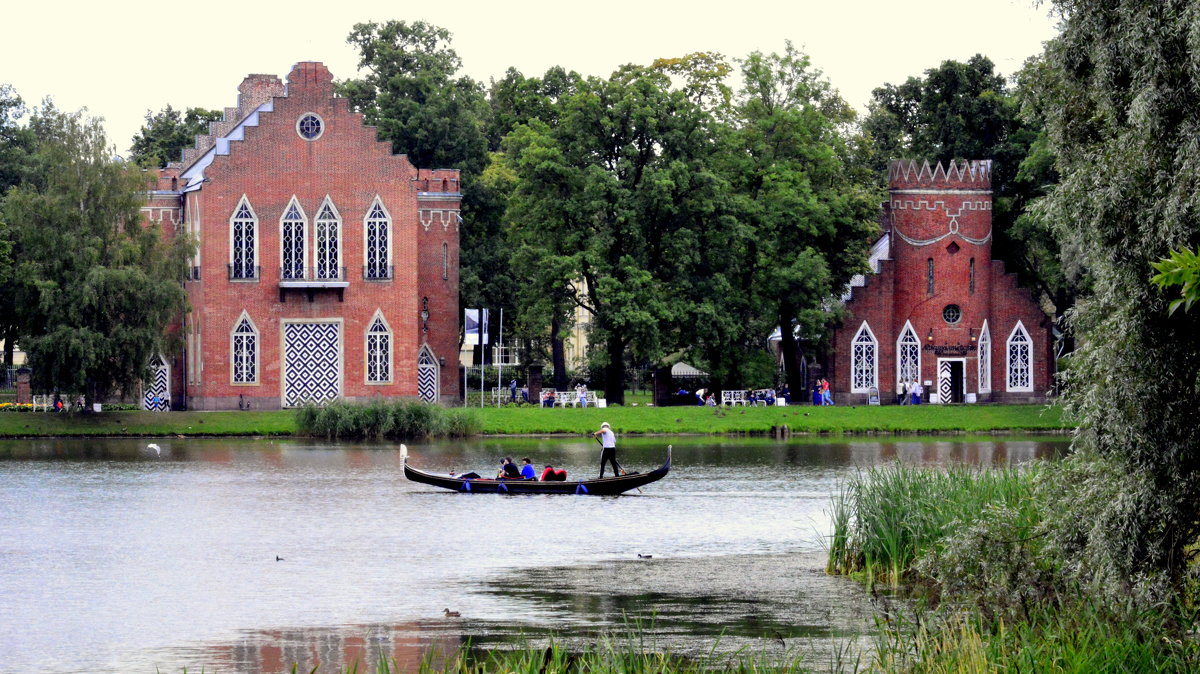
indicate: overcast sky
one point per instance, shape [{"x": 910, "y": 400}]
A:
[{"x": 120, "y": 58}]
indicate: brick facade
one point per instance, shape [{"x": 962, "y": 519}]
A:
[
  {"x": 258, "y": 156},
  {"x": 939, "y": 220}
]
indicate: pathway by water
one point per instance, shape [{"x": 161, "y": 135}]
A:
[{"x": 115, "y": 558}]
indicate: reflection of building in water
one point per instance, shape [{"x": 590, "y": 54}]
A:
[{"x": 357, "y": 648}]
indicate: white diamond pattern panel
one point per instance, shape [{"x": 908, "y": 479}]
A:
[
  {"x": 427, "y": 387},
  {"x": 245, "y": 353},
  {"x": 863, "y": 361},
  {"x": 909, "y": 352},
  {"x": 311, "y": 362},
  {"x": 327, "y": 243},
  {"x": 377, "y": 243},
  {"x": 945, "y": 385},
  {"x": 1018, "y": 361},
  {"x": 156, "y": 397},
  {"x": 985, "y": 362},
  {"x": 243, "y": 243},
  {"x": 293, "y": 243}
]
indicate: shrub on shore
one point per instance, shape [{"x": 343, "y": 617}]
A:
[{"x": 393, "y": 419}]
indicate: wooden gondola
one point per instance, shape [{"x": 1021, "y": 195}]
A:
[{"x": 609, "y": 486}]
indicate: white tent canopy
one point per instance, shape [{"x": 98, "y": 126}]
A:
[{"x": 682, "y": 369}]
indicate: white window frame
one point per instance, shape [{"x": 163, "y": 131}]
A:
[
  {"x": 233, "y": 353},
  {"x": 391, "y": 342},
  {"x": 254, "y": 252},
  {"x": 367, "y": 219},
  {"x": 303, "y": 238},
  {"x": 874, "y": 383},
  {"x": 317, "y": 220},
  {"x": 908, "y": 330},
  {"x": 1019, "y": 329},
  {"x": 984, "y": 364}
]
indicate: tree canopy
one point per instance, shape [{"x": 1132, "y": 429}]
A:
[
  {"x": 167, "y": 133},
  {"x": 96, "y": 289}
]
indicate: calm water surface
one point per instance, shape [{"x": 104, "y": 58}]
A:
[{"x": 116, "y": 559}]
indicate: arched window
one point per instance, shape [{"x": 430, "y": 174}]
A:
[
  {"x": 864, "y": 350},
  {"x": 377, "y": 228},
  {"x": 985, "y": 359},
  {"x": 908, "y": 355},
  {"x": 329, "y": 234},
  {"x": 379, "y": 351},
  {"x": 292, "y": 228},
  {"x": 243, "y": 242},
  {"x": 445, "y": 261},
  {"x": 1020, "y": 360},
  {"x": 244, "y": 351},
  {"x": 929, "y": 276}
]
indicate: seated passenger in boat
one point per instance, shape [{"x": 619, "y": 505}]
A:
[
  {"x": 528, "y": 472},
  {"x": 508, "y": 470},
  {"x": 551, "y": 475}
]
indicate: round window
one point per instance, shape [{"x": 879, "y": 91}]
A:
[
  {"x": 952, "y": 314},
  {"x": 310, "y": 126}
]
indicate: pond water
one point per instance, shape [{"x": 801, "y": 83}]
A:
[{"x": 250, "y": 555}]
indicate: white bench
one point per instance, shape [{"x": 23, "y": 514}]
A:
[
  {"x": 731, "y": 398},
  {"x": 43, "y": 402},
  {"x": 571, "y": 398}
]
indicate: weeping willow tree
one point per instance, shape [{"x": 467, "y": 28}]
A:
[
  {"x": 1125, "y": 124},
  {"x": 95, "y": 290}
]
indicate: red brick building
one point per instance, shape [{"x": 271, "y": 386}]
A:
[
  {"x": 938, "y": 308},
  {"x": 327, "y": 267}
]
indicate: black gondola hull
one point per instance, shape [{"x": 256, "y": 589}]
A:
[{"x": 609, "y": 486}]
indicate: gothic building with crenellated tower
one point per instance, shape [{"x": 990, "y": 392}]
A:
[
  {"x": 937, "y": 308},
  {"x": 326, "y": 268}
]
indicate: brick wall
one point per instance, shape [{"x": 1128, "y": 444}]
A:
[{"x": 941, "y": 214}]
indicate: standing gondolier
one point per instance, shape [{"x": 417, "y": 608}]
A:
[{"x": 608, "y": 451}]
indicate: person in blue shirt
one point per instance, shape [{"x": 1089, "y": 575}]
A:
[{"x": 527, "y": 470}]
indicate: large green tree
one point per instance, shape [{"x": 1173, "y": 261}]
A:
[
  {"x": 1124, "y": 89},
  {"x": 167, "y": 132},
  {"x": 97, "y": 289},
  {"x": 16, "y": 145},
  {"x": 807, "y": 207},
  {"x": 608, "y": 209}
]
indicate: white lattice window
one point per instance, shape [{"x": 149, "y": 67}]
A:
[
  {"x": 377, "y": 228},
  {"x": 329, "y": 234},
  {"x": 292, "y": 228},
  {"x": 864, "y": 360},
  {"x": 244, "y": 351},
  {"x": 379, "y": 351},
  {"x": 985, "y": 359},
  {"x": 243, "y": 242},
  {"x": 908, "y": 355},
  {"x": 1020, "y": 360}
]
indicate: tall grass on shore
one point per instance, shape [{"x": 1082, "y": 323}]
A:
[
  {"x": 886, "y": 518},
  {"x": 393, "y": 419}
]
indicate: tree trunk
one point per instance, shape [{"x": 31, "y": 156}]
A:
[
  {"x": 791, "y": 354},
  {"x": 558, "y": 355},
  {"x": 614, "y": 372}
]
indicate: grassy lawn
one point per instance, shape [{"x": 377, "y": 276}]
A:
[
  {"x": 148, "y": 423},
  {"x": 534, "y": 420},
  {"x": 800, "y": 419}
]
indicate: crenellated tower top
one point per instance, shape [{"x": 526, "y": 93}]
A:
[{"x": 974, "y": 174}]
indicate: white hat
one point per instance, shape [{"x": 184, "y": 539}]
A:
[{"x": 605, "y": 425}]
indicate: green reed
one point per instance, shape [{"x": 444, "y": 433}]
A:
[
  {"x": 885, "y": 518},
  {"x": 393, "y": 419}
]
